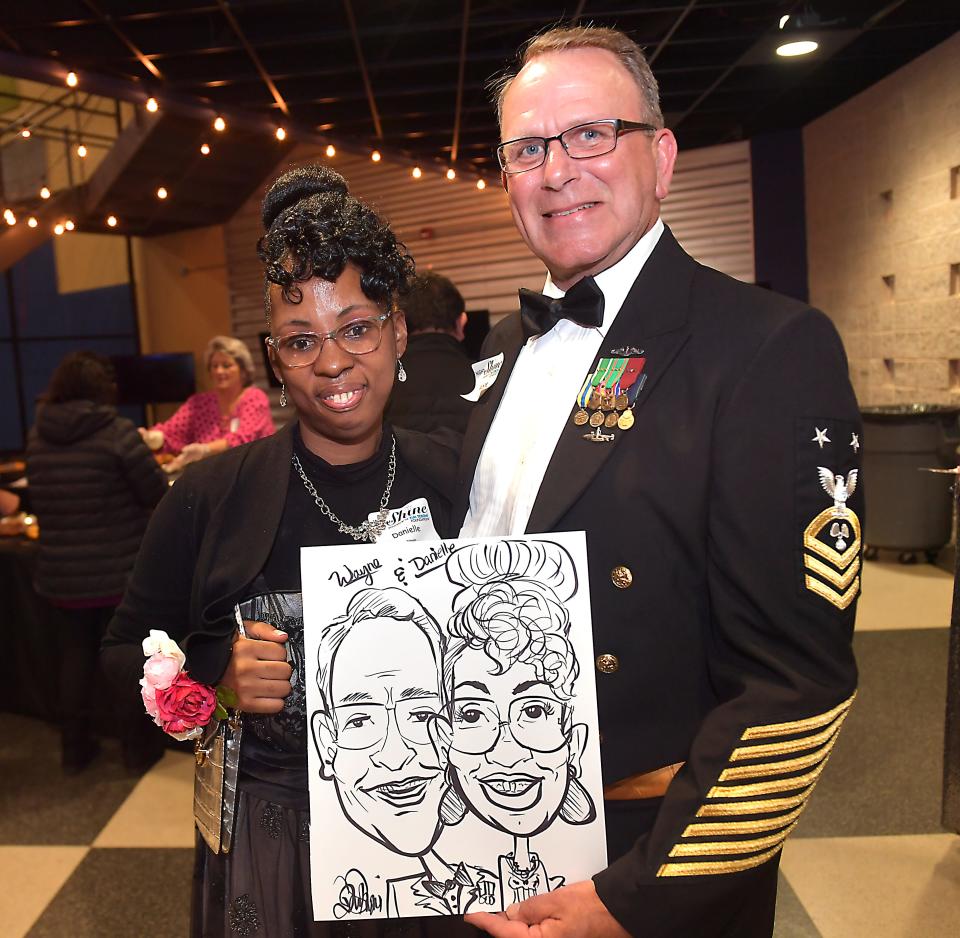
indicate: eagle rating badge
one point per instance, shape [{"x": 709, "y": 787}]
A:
[{"x": 831, "y": 543}]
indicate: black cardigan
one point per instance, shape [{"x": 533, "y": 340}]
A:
[{"x": 210, "y": 538}]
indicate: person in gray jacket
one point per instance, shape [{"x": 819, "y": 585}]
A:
[{"x": 93, "y": 484}]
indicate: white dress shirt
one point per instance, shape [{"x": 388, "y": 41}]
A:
[{"x": 537, "y": 402}]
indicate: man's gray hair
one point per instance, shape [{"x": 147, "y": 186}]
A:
[
  {"x": 562, "y": 38},
  {"x": 236, "y": 349},
  {"x": 373, "y": 603}
]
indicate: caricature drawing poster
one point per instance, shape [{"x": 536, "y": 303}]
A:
[{"x": 453, "y": 746}]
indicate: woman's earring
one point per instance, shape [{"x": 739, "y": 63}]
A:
[
  {"x": 283, "y": 395},
  {"x": 401, "y": 372}
]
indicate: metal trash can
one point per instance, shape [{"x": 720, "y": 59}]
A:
[{"x": 908, "y": 510}]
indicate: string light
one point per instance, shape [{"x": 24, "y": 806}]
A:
[
  {"x": 417, "y": 172},
  {"x": 219, "y": 125},
  {"x": 58, "y": 229},
  {"x": 81, "y": 151},
  {"x": 32, "y": 222},
  {"x": 205, "y": 149},
  {"x": 280, "y": 134},
  {"x": 69, "y": 225},
  {"x": 44, "y": 193},
  {"x": 331, "y": 150},
  {"x": 25, "y": 133},
  {"x": 451, "y": 174},
  {"x": 9, "y": 217},
  {"x": 481, "y": 185},
  {"x": 152, "y": 105},
  {"x": 162, "y": 192},
  {"x": 111, "y": 221},
  {"x": 72, "y": 79},
  {"x": 375, "y": 156}
]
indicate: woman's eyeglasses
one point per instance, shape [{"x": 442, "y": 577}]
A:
[{"x": 300, "y": 349}]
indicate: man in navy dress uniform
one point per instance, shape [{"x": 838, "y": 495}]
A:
[{"x": 704, "y": 434}]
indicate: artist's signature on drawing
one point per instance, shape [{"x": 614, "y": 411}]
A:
[
  {"x": 354, "y": 897},
  {"x": 350, "y": 575}
]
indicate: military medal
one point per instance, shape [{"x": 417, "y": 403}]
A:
[
  {"x": 581, "y": 416},
  {"x": 597, "y": 381},
  {"x": 605, "y": 394},
  {"x": 631, "y": 384}
]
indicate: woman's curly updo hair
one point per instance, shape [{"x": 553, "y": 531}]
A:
[{"x": 314, "y": 228}]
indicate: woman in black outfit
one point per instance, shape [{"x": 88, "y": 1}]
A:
[
  {"x": 231, "y": 529},
  {"x": 93, "y": 483}
]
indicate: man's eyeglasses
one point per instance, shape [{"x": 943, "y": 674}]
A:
[
  {"x": 362, "y": 726},
  {"x": 536, "y": 724},
  {"x": 355, "y": 338},
  {"x": 579, "y": 143}
]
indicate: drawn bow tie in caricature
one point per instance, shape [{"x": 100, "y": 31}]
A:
[
  {"x": 838, "y": 488},
  {"x": 451, "y": 891}
]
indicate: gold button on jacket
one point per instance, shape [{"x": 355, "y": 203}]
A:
[
  {"x": 622, "y": 577},
  {"x": 607, "y": 664}
]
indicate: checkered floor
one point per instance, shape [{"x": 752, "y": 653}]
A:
[{"x": 103, "y": 854}]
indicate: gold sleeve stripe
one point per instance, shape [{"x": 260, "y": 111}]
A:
[
  {"x": 734, "y": 828},
  {"x": 778, "y": 768},
  {"x": 840, "y": 600},
  {"x": 766, "y": 788},
  {"x": 797, "y": 726},
  {"x": 839, "y": 580},
  {"x": 740, "y": 808},
  {"x": 719, "y": 848},
  {"x": 765, "y": 750},
  {"x": 703, "y": 868}
]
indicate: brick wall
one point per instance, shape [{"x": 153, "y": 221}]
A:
[{"x": 883, "y": 229}]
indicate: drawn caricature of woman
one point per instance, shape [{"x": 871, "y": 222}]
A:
[{"x": 513, "y": 749}]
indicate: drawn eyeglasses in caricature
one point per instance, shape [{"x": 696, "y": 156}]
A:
[
  {"x": 365, "y": 725},
  {"x": 536, "y": 724}
]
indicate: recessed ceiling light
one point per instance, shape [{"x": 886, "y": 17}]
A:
[{"x": 799, "y": 47}]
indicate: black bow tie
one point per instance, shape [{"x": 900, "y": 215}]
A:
[{"x": 582, "y": 304}]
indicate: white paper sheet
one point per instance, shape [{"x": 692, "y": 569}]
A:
[{"x": 454, "y": 757}]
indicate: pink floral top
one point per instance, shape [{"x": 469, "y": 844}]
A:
[{"x": 199, "y": 421}]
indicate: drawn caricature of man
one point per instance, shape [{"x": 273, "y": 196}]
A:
[
  {"x": 513, "y": 750},
  {"x": 379, "y": 679}
]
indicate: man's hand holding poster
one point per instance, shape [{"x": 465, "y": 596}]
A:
[{"x": 454, "y": 757}]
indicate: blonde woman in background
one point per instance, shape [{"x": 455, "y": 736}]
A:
[{"x": 234, "y": 412}]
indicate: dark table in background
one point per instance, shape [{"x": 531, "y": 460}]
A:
[{"x": 30, "y": 653}]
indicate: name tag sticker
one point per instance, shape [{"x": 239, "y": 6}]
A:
[
  {"x": 486, "y": 372},
  {"x": 412, "y": 522}
]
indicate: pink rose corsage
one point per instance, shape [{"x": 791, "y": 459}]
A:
[{"x": 178, "y": 704}]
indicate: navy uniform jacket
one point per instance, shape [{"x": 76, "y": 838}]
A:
[{"x": 730, "y": 649}]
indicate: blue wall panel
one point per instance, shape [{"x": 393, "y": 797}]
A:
[{"x": 42, "y": 311}]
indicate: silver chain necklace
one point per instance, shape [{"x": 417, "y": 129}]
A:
[{"x": 367, "y": 530}]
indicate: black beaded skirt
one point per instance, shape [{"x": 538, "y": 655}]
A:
[{"x": 261, "y": 889}]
